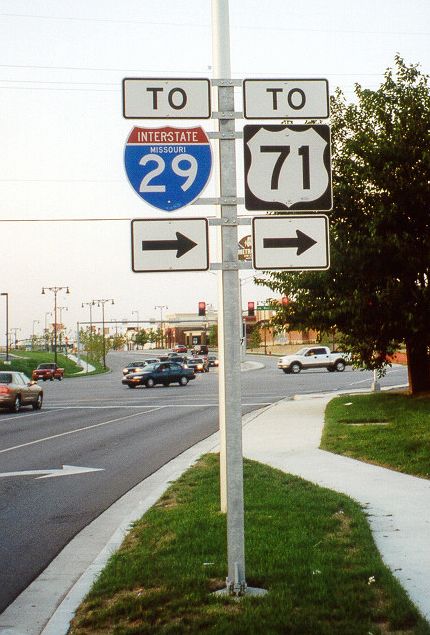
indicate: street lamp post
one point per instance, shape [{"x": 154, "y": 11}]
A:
[
  {"x": 7, "y": 324},
  {"x": 61, "y": 309},
  {"x": 161, "y": 307},
  {"x": 47, "y": 330},
  {"x": 32, "y": 335},
  {"x": 90, "y": 304},
  {"x": 101, "y": 302},
  {"x": 55, "y": 290}
]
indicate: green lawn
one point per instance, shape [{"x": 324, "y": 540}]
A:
[
  {"x": 388, "y": 429},
  {"x": 309, "y": 547},
  {"x": 26, "y": 361}
]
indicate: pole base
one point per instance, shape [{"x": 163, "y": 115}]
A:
[{"x": 249, "y": 592}]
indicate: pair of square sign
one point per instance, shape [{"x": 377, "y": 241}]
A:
[{"x": 290, "y": 242}]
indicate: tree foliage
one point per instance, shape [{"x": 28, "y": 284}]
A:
[{"x": 376, "y": 292}]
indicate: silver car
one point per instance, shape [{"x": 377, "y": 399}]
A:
[{"x": 17, "y": 390}]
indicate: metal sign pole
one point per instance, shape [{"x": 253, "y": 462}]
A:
[{"x": 229, "y": 325}]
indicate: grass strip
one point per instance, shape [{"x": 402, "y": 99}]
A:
[
  {"x": 387, "y": 429},
  {"x": 27, "y": 361},
  {"x": 309, "y": 547}
]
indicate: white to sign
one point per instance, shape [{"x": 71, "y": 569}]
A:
[
  {"x": 170, "y": 245},
  {"x": 285, "y": 99},
  {"x": 295, "y": 243},
  {"x": 167, "y": 98},
  {"x": 287, "y": 167}
]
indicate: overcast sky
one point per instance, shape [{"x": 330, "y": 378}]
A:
[{"x": 62, "y": 133}]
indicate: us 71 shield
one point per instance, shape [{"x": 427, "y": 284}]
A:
[{"x": 287, "y": 167}]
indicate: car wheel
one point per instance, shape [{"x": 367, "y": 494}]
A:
[
  {"x": 59, "y": 378},
  {"x": 295, "y": 368},
  {"x": 44, "y": 378},
  {"x": 131, "y": 386},
  {"x": 330, "y": 369},
  {"x": 37, "y": 405},
  {"x": 340, "y": 366},
  {"x": 166, "y": 383},
  {"x": 51, "y": 379},
  {"x": 150, "y": 383},
  {"x": 286, "y": 371},
  {"x": 16, "y": 404},
  {"x": 183, "y": 381}
]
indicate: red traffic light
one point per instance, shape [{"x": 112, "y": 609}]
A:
[
  {"x": 202, "y": 309},
  {"x": 251, "y": 309}
]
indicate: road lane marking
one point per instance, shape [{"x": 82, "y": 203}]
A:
[
  {"x": 64, "y": 434},
  {"x": 66, "y": 470}
]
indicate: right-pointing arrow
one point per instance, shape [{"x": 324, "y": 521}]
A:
[
  {"x": 303, "y": 242},
  {"x": 182, "y": 245}
]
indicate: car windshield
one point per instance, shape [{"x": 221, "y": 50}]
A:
[
  {"x": 45, "y": 366},
  {"x": 5, "y": 378},
  {"x": 198, "y": 360}
]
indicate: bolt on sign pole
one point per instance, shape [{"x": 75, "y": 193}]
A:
[{"x": 229, "y": 324}]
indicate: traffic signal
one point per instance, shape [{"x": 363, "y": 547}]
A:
[
  {"x": 202, "y": 309},
  {"x": 251, "y": 309}
]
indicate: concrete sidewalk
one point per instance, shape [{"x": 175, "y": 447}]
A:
[{"x": 284, "y": 435}]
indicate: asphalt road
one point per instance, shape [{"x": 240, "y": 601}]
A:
[{"x": 97, "y": 423}]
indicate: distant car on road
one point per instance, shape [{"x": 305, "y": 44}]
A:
[
  {"x": 135, "y": 367},
  {"x": 213, "y": 360},
  {"x": 198, "y": 364},
  {"x": 48, "y": 371},
  {"x": 164, "y": 373},
  {"x": 16, "y": 390},
  {"x": 180, "y": 348}
]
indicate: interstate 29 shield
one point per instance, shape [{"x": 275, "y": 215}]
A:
[{"x": 168, "y": 167}]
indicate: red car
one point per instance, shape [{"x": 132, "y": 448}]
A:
[{"x": 180, "y": 348}]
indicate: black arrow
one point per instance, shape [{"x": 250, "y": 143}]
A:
[
  {"x": 182, "y": 244},
  {"x": 302, "y": 242}
]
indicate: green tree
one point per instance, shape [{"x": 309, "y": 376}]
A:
[
  {"x": 376, "y": 292},
  {"x": 93, "y": 344},
  {"x": 141, "y": 337},
  {"x": 255, "y": 337},
  {"x": 213, "y": 335}
]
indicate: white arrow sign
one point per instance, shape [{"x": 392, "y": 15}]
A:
[
  {"x": 170, "y": 245},
  {"x": 294, "y": 243},
  {"x": 66, "y": 470}
]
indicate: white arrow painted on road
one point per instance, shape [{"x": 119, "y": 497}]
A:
[{"x": 66, "y": 470}]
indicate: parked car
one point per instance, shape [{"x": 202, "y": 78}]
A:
[
  {"x": 180, "y": 348},
  {"x": 213, "y": 360},
  {"x": 198, "y": 364},
  {"x": 16, "y": 390},
  {"x": 48, "y": 371},
  {"x": 164, "y": 373}
]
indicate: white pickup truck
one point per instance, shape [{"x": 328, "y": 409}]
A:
[{"x": 313, "y": 357}]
